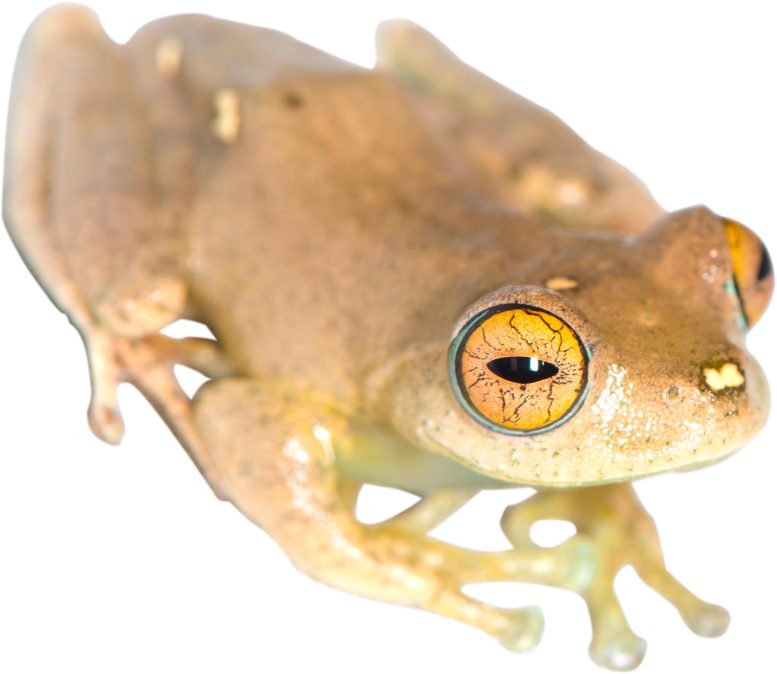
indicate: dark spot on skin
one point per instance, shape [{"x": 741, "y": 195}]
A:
[
  {"x": 293, "y": 100},
  {"x": 672, "y": 392}
]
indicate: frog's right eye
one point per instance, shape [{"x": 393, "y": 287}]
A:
[
  {"x": 752, "y": 270},
  {"x": 518, "y": 369}
]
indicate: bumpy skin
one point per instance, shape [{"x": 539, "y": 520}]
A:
[{"x": 335, "y": 227}]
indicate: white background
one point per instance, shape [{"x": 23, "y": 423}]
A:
[{"x": 121, "y": 560}]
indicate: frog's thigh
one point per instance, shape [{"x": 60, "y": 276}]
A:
[
  {"x": 80, "y": 192},
  {"x": 276, "y": 466}
]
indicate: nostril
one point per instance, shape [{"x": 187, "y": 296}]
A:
[{"x": 726, "y": 375}]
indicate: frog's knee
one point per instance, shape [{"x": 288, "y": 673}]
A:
[
  {"x": 141, "y": 307},
  {"x": 66, "y": 22}
]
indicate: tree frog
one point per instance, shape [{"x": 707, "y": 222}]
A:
[{"x": 415, "y": 277}]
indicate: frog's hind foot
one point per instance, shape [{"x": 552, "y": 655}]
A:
[
  {"x": 147, "y": 363},
  {"x": 620, "y": 533}
]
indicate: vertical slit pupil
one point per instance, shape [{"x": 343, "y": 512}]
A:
[
  {"x": 765, "y": 267},
  {"x": 522, "y": 369}
]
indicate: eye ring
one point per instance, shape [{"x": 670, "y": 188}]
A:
[{"x": 519, "y": 369}]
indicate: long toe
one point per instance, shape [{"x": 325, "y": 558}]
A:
[
  {"x": 524, "y": 631},
  {"x": 622, "y": 653}
]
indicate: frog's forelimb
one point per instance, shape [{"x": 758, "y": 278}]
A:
[
  {"x": 621, "y": 533},
  {"x": 279, "y": 473}
]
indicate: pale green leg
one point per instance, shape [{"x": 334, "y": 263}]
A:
[
  {"x": 276, "y": 465},
  {"x": 621, "y": 533},
  {"x": 702, "y": 618},
  {"x": 567, "y": 566},
  {"x": 431, "y": 511}
]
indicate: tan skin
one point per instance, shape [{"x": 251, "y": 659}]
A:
[{"x": 360, "y": 242}]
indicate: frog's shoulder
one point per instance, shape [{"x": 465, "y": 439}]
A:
[
  {"x": 257, "y": 89},
  {"x": 521, "y": 154}
]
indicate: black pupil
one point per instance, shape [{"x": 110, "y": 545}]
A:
[
  {"x": 522, "y": 369},
  {"x": 765, "y": 268}
]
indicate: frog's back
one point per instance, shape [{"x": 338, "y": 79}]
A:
[
  {"x": 512, "y": 151},
  {"x": 320, "y": 222},
  {"x": 317, "y": 197},
  {"x": 328, "y": 194}
]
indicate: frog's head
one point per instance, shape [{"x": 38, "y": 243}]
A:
[{"x": 617, "y": 359}]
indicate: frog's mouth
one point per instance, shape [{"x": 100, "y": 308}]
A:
[
  {"x": 601, "y": 443},
  {"x": 564, "y": 474}
]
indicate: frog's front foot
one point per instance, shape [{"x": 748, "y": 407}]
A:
[
  {"x": 571, "y": 565},
  {"x": 620, "y": 533},
  {"x": 147, "y": 362},
  {"x": 524, "y": 629},
  {"x": 702, "y": 618}
]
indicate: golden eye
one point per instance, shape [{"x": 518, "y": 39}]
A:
[
  {"x": 518, "y": 369},
  {"x": 752, "y": 270}
]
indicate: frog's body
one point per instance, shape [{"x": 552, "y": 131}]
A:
[{"x": 331, "y": 225}]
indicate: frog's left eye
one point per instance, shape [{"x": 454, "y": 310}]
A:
[
  {"x": 752, "y": 270},
  {"x": 518, "y": 369}
]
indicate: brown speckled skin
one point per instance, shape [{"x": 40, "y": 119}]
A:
[{"x": 334, "y": 247}]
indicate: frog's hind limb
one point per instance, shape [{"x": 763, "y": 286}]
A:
[
  {"x": 148, "y": 364},
  {"x": 80, "y": 205},
  {"x": 621, "y": 533},
  {"x": 80, "y": 195},
  {"x": 277, "y": 466}
]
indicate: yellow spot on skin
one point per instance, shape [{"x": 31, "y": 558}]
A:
[
  {"x": 728, "y": 376},
  {"x": 572, "y": 193},
  {"x": 226, "y": 124},
  {"x": 542, "y": 187},
  {"x": 561, "y": 283},
  {"x": 169, "y": 54}
]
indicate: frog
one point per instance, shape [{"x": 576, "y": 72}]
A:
[{"x": 414, "y": 277}]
